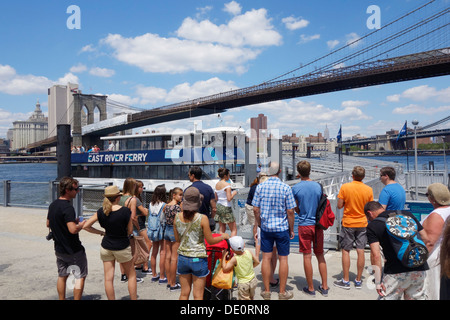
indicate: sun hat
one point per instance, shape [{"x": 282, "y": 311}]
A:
[
  {"x": 440, "y": 193},
  {"x": 236, "y": 243},
  {"x": 112, "y": 191},
  {"x": 192, "y": 199},
  {"x": 263, "y": 177}
]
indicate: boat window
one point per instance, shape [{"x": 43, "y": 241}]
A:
[{"x": 158, "y": 143}]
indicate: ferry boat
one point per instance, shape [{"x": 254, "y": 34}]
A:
[{"x": 164, "y": 158}]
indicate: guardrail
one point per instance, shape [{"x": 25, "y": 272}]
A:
[{"x": 90, "y": 197}]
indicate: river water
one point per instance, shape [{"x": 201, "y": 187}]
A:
[{"x": 24, "y": 192}]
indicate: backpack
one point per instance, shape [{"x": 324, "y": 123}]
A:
[
  {"x": 155, "y": 221},
  {"x": 324, "y": 214},
  {"x": 405, "y": 239}
]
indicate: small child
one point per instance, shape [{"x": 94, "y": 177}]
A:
[{"x": 243, "y": 262}]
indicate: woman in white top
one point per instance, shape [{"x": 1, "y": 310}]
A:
[
  {"x": 439, "y": 196},
  {"x": 224, "y": 195}
]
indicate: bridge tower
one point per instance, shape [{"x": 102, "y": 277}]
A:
[{"x": 90, "y": 102}]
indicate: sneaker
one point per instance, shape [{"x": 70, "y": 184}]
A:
[
  {"x": 286, "y": 295},
  {"x": 123, "y": 278},
  {"x": 145, "y": 272},
  {"x": 139, "y": 280},
  {"x": 342, "y": 284},
  {"x": 309, "y": 293},
  {"x": 161, "y": 281},
  {"x": 155, "y": 278},
  {"x": 266, "y": 295},
  {"x": 177, "y": 286},
  {"x": 358, "y": 284},
  {"x": 323, "y": 291}
]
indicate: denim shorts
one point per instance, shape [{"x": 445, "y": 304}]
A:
[
  {"x": 169, "y": 234},
  {"x": 195, "y": 266},
  {"x": 280, "y": 239}
]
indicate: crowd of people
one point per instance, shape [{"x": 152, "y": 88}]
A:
[
  {"x": 81, "y": 149},
  {"x": 175, "y": 228}
]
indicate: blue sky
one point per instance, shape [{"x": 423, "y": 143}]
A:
[{"x": 154, "y": 53}]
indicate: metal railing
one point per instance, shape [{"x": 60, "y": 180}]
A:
[{"x": 90, "y": 197}]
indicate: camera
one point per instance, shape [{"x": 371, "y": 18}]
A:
[{"x": 49, "y": 236}]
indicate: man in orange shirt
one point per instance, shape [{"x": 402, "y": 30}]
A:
[{"x": 352, "y": 197}]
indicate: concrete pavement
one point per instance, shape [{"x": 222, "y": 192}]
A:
[{"x": 28, "y": 267}]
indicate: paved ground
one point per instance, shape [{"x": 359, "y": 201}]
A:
[{"x": 28, "y": 268}]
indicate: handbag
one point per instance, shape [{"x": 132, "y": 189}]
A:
[
  {"x": 222, "y": 280},
  {"x": 139, "y": 250}
]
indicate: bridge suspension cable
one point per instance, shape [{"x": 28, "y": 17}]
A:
[{"x": 386, "y": 45}]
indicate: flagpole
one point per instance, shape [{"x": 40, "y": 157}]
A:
[
  {"x": 406, "y": 141},
  {"x": 342, "y": 151}
]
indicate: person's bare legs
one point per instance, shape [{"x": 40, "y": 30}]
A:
[
  {"x": 346, "y": 264},
  {"x": 185, "y": 282},
  {"x": 198, "y": 287},
  {"x": 266, "y": 269},
  {"x": 307, "y": 266},
  {"x": 132, "y": 281},
  {"x": 108, "y": 268},
  {"x": 61, "y": 287},
  {"x": 360, "y": 264},
  {"x": 283, "y": 271},
  {"x": 322, "y": 270}
]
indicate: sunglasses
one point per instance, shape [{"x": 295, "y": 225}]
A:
[{"x": 76, "y": 189}]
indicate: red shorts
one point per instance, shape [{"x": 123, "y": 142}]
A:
[{"x": 309, "y": 236}]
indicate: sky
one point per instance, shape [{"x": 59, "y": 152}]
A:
[{"x": 148, "y": 54}]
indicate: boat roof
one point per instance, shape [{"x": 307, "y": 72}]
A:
[{"x": 176, "y": 132}]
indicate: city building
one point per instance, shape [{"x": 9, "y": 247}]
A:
[
  {"x": 259, "y": 132},
  {"x": 60, "y": 106},
  {"x": 29, "y": 131}
]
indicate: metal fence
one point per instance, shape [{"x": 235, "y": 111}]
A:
[{"x": 90, "y": 198}]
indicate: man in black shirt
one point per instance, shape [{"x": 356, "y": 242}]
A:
[
  {"x": 70, "y": 254},
  {"x": 398, "y": 281}
]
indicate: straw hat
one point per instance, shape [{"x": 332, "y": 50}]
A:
[
  {"x": 112, "y": 191},
  {"x": 440, "y": 193},
  {"x": 192, "y": 199}
]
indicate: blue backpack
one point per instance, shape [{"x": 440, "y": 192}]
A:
[{"x": 405, "y": 239}]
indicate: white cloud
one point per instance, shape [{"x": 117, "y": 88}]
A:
[
  {"x": 417, "y": 109},
  {"x": 252, "y": 28},
  {"x": 79, "y": 68},
  {"x": 332, "y": 44},
  {"x": 304, "y": 38},
  {"x": 87, "y": 48},
  {"x": 393, "y": 98},
  {"x": 293, "y": 23},
  {"x": 184, "y": 91},
  {"x": 152, "y": 53},
  {"x": 102, "y": 72},
  {"x": 150, "y": 95},
  {"x": 16, "y": 84},
  {"x": 354, "y": 103},
  {"x": 127, "y": 100},
  {"x": 233, "y": 8},
  {"x": 200, "y": 45},
  {"x": 352, "y": 39},
  {"x": 422, "y": 93}
]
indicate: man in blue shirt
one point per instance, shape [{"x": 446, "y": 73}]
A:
[
  {"x": 273, "y": 205},
  {"x": 307, "y": 194},
  {"x": 393, "y": 196},
  {"x": 208, "y": 206}
]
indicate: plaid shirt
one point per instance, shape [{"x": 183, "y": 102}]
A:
[{"x": 274, "y": 197}]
